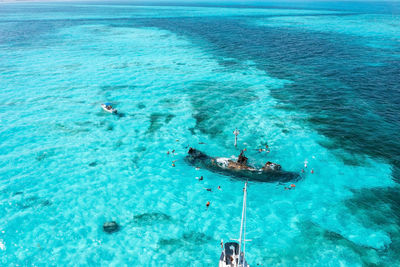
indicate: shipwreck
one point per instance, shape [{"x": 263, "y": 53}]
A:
[{"x": 239, "y": 168}]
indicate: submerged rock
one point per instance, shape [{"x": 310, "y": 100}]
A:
[
  {"x": 46, "y": 203},
  {"x": 93, "y": 164},
  {"x": 110, "y": 227}
]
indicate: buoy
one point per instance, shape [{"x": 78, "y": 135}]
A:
[
  {"x": 167, "y": 152},
  {"x": 173, "y": 164},
  {"x": 312, "y": 171},
  {"x": 208, "y": 204},
  {"x": 219, "y": 187},
  {"x": 292, "y": 185}
]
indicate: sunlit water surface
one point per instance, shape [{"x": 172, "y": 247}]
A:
[{"x": 317, "y": 86}]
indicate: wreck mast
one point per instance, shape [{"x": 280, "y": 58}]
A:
[{"x": 236, "y": 133}]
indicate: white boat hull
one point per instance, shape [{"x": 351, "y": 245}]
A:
[{"x": 113, "y": 110}]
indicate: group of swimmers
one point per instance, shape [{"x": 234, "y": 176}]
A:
[
  {"x": 305, "y": 166},
  {"x": 201, "y": 178},
  {"x": 266, "y": 149}
]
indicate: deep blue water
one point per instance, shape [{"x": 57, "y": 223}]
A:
[{"x": 318, "y": 82}]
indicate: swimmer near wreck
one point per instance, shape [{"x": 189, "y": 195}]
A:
[{"x": 239, "y": 168}]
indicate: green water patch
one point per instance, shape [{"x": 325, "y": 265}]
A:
[
  {"x": 138, "y": 155},
  {"x": 158, "y": 120},
  {"x": 146, "y": 219},
  {"x": 31, "y": 202},
  {"x": 228, "y": 63},
  {"x": 110, "y": 127},
  {"x": 188, "y": 240},
  {"x": 120, "y": 66},
  {"x": 306, "y": 249},
  {"x": 70, "y": 129},
  {"x": 119, "y": 143},
  {"x": 379, "y": 209},
  {"x": 74, "y": 66},
  {"x": 135, "y": 161},
  {"x": 84, "y": 123},
  {"x": 285, "y": 107},
  {"x": 141, "y": 105},
  {"x": 44, "y": 155},
  {"x": 168, "y": 102},
  {"x": 215, "y": 104},
  {"x": 323, "y": 237},
  {"x": 348, "y": 158},
  {"x": 117, "y": 87},
  {"x": 168, "y": 118}
]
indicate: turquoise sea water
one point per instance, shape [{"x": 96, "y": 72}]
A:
[{"x": 319, "y": 86}]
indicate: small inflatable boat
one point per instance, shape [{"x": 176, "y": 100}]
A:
[{"x": 107, "y": 107}]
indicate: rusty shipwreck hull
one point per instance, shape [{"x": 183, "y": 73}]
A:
[{"x": 199, "y": 159}]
